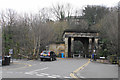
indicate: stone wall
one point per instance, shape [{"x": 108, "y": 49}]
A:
[{"x": 57, "y": 48}]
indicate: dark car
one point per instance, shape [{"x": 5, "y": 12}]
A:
[
  {"x": 119, "y": 61},
  {"x": 48, "y": 55},
  {"x": 0, "y": 61}
]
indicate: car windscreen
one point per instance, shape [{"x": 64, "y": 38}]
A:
[{"x": 44, "y": 52}]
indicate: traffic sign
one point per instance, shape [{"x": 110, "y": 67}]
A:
[{"x": 10, "y": 51}]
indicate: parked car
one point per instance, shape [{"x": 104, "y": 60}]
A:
[
  {"x": 119, "y": 61},
  {"x": 48, "y": 55},
  {"x": 0, "y": 61}
]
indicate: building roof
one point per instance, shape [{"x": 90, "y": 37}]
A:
[{"x": 81, "y": 31}]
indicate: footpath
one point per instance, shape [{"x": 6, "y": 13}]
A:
[{"x": 98, "y": 70}]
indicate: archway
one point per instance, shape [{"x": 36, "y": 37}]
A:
[
  {"x": 78, "y": 48},
  {"x": 89, "y": 39}
]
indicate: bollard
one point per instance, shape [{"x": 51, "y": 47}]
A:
[{"x": 62, "y": 55}]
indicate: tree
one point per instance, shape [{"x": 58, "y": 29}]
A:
[
  {"x": 108, "y": 27},
  {"x": 62, "y": 11},
  {"x": 7, "y": 23},
  {"x": 94, "y": 13}
]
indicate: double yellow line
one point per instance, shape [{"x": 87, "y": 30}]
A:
[{"x": 80, "y": 68}]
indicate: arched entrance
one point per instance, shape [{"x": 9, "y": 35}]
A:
[
  {"x": 78, "y": 47},
  {"x": 87, "y": 40}
]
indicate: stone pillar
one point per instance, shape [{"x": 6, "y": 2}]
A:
[
  {"x": 96, "y": 43},
  {"x": 66, "y": 47},
  {"x": 72, "y": 45},
  {"x": 90, "y": 44}
]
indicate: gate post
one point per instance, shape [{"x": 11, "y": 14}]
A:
[
  {"x": 90, "y": 45},
  {"x": 96, "y": 44},
  {"x": 66, "y": 47},
  {"x": 72, "y": 45}
]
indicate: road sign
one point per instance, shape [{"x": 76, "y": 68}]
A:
[{"x": 10, "y": 51}]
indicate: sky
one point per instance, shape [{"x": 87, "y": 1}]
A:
[{"x": 35, "y": 5}]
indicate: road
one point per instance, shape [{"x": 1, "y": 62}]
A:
[{"x": 62, "y": 68}]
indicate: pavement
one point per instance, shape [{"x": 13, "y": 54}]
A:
[
  {"x": 66, "y": 68},
  {"x": 97, "y": 70}
]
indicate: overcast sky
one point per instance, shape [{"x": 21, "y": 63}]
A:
[{"x": 35, "y": 5}]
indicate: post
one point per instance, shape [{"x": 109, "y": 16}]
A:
[
  {"x": 90, "y": 45},
  {"x": 72, "y": 45},
  {"x": 66, "y": 47},
  {"x": 73, "y": 55},
  {"x": 79, "y": 55},
  {"x": 96, "y": 44}
]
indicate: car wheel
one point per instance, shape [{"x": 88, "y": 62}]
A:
[
  {"x": 51, "y": 59},
  {"x": 55, "y": 59},
  {"x": 41, "y": 59}
]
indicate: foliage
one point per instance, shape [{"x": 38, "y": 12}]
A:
[
  {"x": 108, "y": 27},
  {"x": 94, "y": 13}
]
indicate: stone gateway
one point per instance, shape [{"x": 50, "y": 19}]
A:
[{"x": 89, "y": 38}]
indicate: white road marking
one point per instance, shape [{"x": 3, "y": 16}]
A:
[
  {"x": 56, "y": 75},
  {"x": 35, "y": 71},
  {"x": 44, "y": 68},
  {"x": 52, "y": 77},
  {"x": 82, "y": 77},
  {"x": 44, "y": 74},
  {"x": 67, "y": 77},
  {"x": 31, "y": 73},
  {"x": 38, "y": 70},
  {"x": 39, "y": 75}
]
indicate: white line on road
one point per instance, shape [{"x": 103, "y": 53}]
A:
[
  {"x": 39, "y": 75},
  {"x": 52, "y": 77},
  {"x": 31, "y": 73},
  {"x": 82, "y": 77},
  {"x": 56, "y": 76},
  {"x": 44, "y": 74},
  {"x": 35, "y": 71},
  {"x": 67, "y": 77},
  {"x": 39, "y": 69}
]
